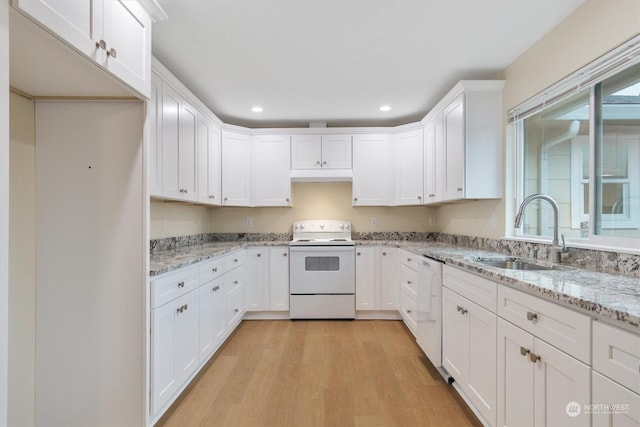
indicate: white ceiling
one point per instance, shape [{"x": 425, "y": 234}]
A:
[{"x": 338, "y": 61}]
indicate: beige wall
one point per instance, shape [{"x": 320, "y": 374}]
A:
[
  {"x": 592, "y": 30},
  {"x": 22, "y": 252},
  {"x": 311, "y": 201}
]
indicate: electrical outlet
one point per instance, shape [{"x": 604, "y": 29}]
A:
[
  {"x": 249, "y": 222},
  {"x": 432, "y": 221},
  {"x": 374, "y": 221}
]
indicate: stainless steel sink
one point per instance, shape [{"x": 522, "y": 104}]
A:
[{"x": 512, "y": 264}]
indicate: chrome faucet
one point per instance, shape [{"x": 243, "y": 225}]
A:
[{"x": 557, "y": 251}]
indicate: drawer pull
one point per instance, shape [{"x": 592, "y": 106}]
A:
[
  {"x": 408, "y": 311},
  {"x": 384, "y": 254},
  {"x": 216, "y": 288},
  {"x": 524, "y": 351},
  {"x": 181, "y": 284},
  {"x": 461, "y": 310},
  {"x": 284, "y": 254},
  {"x": 534, "y": 357},
  {"x": 235, "y": 282},
  {"x": 214, "y": 269},
  {"x": 235, "y": 260},
  {"x": 237, "y": 310},
  {"x": 359, "y": 254},
  {"x": 532, "y": 316},
  {"x": 408, "y": 282},
  {"x": 408, "y": 259},
  {"x": 258, "y": 255}
]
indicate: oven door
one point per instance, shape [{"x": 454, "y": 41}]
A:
[{"x": 322, "y": 270}]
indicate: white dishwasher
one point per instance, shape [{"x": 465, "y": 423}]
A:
[{"x": 429, "y": 316}]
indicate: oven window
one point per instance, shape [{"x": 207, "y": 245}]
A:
[{"x": 322, "y": 263}]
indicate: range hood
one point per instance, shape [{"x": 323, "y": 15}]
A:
[{"x": 321, "y": 175}]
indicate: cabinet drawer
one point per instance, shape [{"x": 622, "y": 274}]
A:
[
  {"x": 408, "y": 309},
  {"x": 234, "y": 280},
  {"x": 171, "y": 286},
  {"x": 616, "y": 354},
  {"x": 235, "y": 306},
  {"x": 479, "y": 290},
  {"x": 234, "y": 260},
  {"x": 564, "y": 328},
  {"x": 409, "y": 259},
  {"x": 409, "y": 278},
  {"x": 212, "y": 269}
]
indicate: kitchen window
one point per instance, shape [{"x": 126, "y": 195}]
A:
[{"x": 579, "y": 143}]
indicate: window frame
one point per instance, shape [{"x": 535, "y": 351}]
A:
[{"x": 619, "y": 59}]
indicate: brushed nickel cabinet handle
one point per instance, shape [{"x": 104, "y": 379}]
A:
[
  {"x": 532, "y": 316},
  {"x": 112, "y": 52},
  {"x": 534, "y": 357},
  {"x": 524, "y": 351},
  {"x": 101, "y": 45},
  {"x": 181, "y": 284}
]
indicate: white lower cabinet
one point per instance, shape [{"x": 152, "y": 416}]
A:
[
  {"x": 613, "y": 404},
  {"x": 538, "y": 384},
  {"x": 212, "y": 316},
  {"x": 175, "y": 341},
  {"x": 257, "y": 279},
  {"x": 279, "y": 278},
  {"x": 377, "y": 278},
  {"x": 193, "y": 310},
  {"x": 469, "y": 351}
]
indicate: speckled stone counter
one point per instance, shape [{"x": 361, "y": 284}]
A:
[
  {"x": 612, "y": 298},
  {"x": 609, "y": 297},
  {"x": 172, "y": 259}
]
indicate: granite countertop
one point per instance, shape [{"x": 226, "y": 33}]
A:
[
  {"x": 168, "y": 260},
  {"x": 612, "y": 298}
]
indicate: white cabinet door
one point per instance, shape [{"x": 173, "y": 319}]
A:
[
  {"x": 409, "y": 166},
  {"x": 455, "y": 336},
  {"x": 365, "y": 278},
  {"x": 178, "y": 133},
  {"x": 607, "y": 392},
  {"x": 154, "y": 137},
  {"x": 433, "y": 161},
  {"x": 257, "y": 279},
  {"x": 127, "y": 32},
  {"x": 454, "y": 161},
  {"x": 336, "y": 151},
  {"x": 212, "y": 322},
  {"x": 170, "y": 134},
  {"x": 208, "y": 169},
  {"x": 389, "y": 289},
  {"x": 164, "y": 378},
  {"x": 469, "y": 350},
  {"x": 559, "y": 380},
  {"x": 236, "y": 169},
  {"x": 72, "y": 21},
  {"x": 279, "y": 278},
  {"x": 515, "y": 376},
  {"x": 371, "y": 169},
  {"x": 271, "y": 170},
  {"x": 306, "y": 152},
  {"x": 187, "y": 335},
  {"x": 187, "y": 151}
]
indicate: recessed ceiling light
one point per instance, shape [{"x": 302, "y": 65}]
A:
[
  {"x": 385, "y": 108},
  {"x": 257, "y": 109}
]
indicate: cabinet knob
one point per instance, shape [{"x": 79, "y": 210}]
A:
[
  {"x": 324, "y": 163},
  {"x": 211, "y": 196},
  {"x": 432, "y": 195},
  {"x": 101, "y": 45},
  {"x": 355, "y": 199},
  {"x": 461, "y": 310},
  {"x": 408, "y": 311},
  {"x": 419, "y": 197},
  {"x": 532, "y": 316},
  {"x": 236, "y": 310},
  {"x": 286, "y": 200},
  {"x": 181, "y": 284},
  {"x": 358, "y": 253},
  {"x": 235, "y": 260},
  {"x": 524, "y": 351},
  {"x": 384, "y": 254},
  {"x": 235, "y": 282},
  {"x": 408, "y": 282},
  {"x": 214, "y": 269},
  {"x": 534, "y": 357},
  {"x": 112, "y": 53},
  {"x": 459, "y": 189},
  {"x": 284, "y": 254},
  {"x": 408, "y": 259},
  {"x": 226, "y": 198},
  {"x": 258, "y": 255},
  {"x": 318, "y": 162}
]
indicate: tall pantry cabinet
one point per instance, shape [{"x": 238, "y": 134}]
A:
[{"x": 90, "y": 294}]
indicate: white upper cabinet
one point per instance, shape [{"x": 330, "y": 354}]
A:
[
  {"x": 433, "y": 160},
  {"x": 470, "y": 116},
  {"x": 179, "y": 135},
  {"x": 208, "y": 160},
  {"x": 371, "y": 170},
  {"x": 236, "y": 169},
  {"x": 271, "y": 168},
  {"x": 114, "y": 33},
  {"x": 321, "y": 152},
  {"x": 409, "y": 167}
]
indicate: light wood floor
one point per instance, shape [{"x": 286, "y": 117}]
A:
[{"x": 319, "y": 373}]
